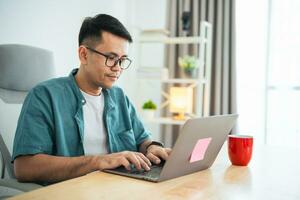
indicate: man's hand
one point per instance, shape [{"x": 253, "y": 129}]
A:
[
  {"x": 125, "y": 158},
  {"x": 155, "y": 153}
]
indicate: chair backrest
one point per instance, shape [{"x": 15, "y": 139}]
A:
[
  {"x": 21, "y": 68},
  {"x": 6, "y": 160}
]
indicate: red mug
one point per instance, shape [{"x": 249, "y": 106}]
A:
[{"x": 240, "y": 149}]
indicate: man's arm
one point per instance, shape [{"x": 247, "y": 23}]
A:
[
  {"x": 42, "y": 167},
  {"x": 47, "y": 168}
]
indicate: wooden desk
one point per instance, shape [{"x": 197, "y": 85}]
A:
[{"x": 274, "y": 173}]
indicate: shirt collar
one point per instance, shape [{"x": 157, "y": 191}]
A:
[{"x": 109, "y": 102}]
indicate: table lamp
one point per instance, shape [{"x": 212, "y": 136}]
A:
[{"x": 181, "y": 101}]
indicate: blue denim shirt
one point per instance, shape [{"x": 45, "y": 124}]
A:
[{"x": 51, "y": 120}]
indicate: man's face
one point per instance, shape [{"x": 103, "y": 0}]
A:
[{"x": 97, "y": 73}]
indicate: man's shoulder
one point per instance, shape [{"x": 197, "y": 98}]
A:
[
  {"x": 53, "y": 87},
  {"x": 53, "y": 84}
]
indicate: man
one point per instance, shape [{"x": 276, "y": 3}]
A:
[{"x": 74, "y": 125}]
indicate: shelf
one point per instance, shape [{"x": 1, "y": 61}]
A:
[
  {"x": 174, "y": 80},
  {"x": 164, "y": 120},
  {"x": 172, "y": 40},
  {"x": 200, "y": 85},
  {"x": 177, "y": 80}
]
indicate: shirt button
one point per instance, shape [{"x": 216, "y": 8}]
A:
[{"x": 83, "y": 101}]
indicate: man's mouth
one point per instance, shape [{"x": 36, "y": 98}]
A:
[{"x": 113, "y": 76}]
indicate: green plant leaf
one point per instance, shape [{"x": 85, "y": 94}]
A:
[
  {"x": 149, "y": 105},
  {"x": 188, "y": 62}
]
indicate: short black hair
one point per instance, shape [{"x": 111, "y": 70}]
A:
[{"x": 92, "y": 27}]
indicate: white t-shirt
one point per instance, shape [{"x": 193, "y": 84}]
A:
[{"x": 94, "y": 131}]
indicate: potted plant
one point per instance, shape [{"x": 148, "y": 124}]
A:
[
  {"x": 149, "y": 108},
  {"x": 189, "y": 64}
]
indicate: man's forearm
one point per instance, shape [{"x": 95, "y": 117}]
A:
[{"x": 42, "y": 167}]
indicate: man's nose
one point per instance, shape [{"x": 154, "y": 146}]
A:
[{"x": 116, "y": 67}]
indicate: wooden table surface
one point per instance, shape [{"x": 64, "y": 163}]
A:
[{"x": 273, "y": 173}]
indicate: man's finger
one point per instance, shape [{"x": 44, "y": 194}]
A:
[
  {"x": 153, "y": 158},
  {"x": 134, "y": 160},
  {"x": 143, "y": 164},
  {"x": 125, "y": 163},
  {"x": 160, "y": 152},
  {"x": 168, "y": 150},
  {"x": 142, "y": 156}
]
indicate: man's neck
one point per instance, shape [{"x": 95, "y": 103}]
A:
[{"x": 84, "y": 84}]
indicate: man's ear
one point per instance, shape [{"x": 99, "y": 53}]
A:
[{"x": 82, "y": 53}]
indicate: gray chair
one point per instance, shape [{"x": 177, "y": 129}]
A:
[{"x": 21, "y": 68}]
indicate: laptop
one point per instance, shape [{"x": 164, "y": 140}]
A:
[{"x": 196, "y": 148}]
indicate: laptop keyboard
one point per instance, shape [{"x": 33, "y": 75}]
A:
[
  {"x": 153, "y": 172},
  {"x": 142, "y": 171}
]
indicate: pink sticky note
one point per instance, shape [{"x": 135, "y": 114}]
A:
[{"x": 200, "y": 149}]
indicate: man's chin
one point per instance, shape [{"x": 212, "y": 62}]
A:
[{"x": 106, "y": 86}]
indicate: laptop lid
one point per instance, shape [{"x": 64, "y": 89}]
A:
[{"x": 197, "y": 146}]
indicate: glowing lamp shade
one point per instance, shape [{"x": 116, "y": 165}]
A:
[{"x": 181, "y": 100}]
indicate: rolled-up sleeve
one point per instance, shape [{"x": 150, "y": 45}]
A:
[{"x": 34, "y": 133}]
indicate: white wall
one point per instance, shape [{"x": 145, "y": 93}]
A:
[
  {"x": 55, "y": 25},
  {"x": 139, "y": 18},
  {"x": 147, "y": 15}
]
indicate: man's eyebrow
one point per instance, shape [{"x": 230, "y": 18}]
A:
[{"x": 114, "y": 54}]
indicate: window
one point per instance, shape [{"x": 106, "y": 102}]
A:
[
  {"x": 283, "y": 74},
  {"x": 251, "y": 46},
  {"x": 268, "y": 70}
]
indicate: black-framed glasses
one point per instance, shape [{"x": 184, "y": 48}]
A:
[{"x": 112, "y": 60}]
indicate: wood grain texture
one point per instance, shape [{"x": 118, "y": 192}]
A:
[{"x": 273, "y": 173}]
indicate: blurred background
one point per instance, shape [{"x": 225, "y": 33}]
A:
[{"x": 252, "y": 54}]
